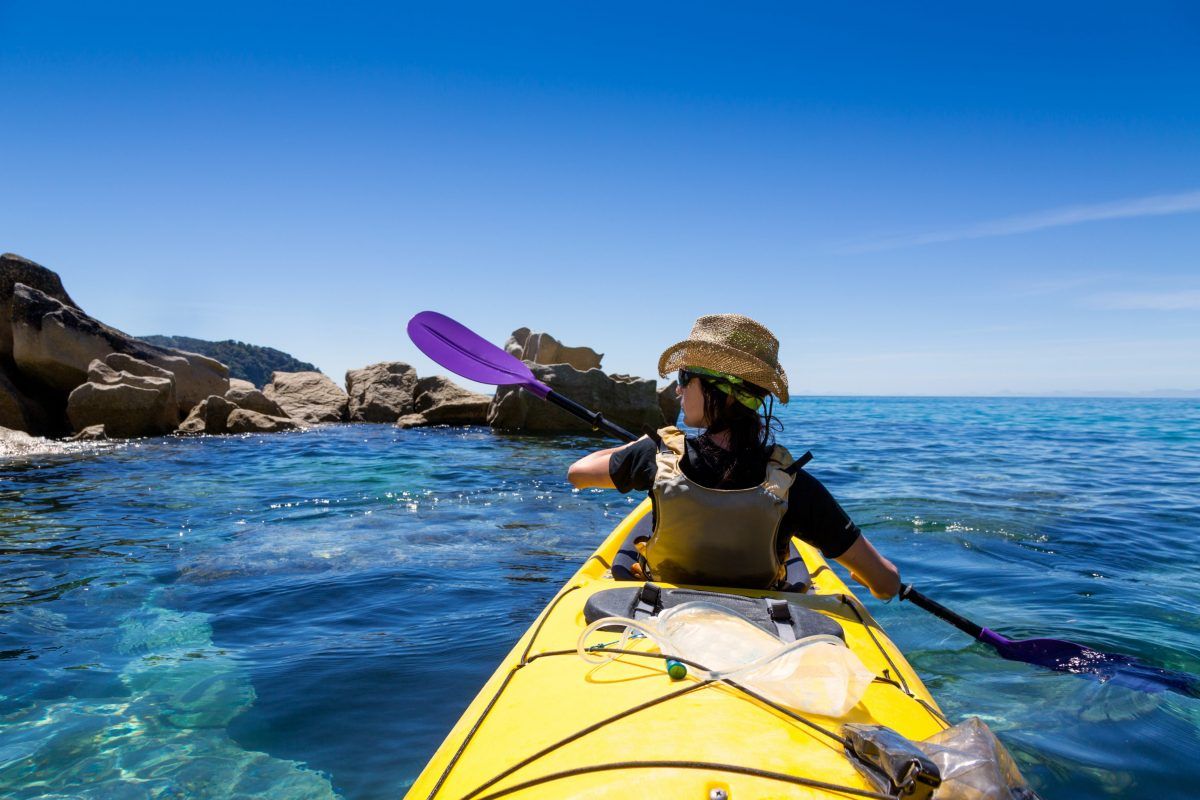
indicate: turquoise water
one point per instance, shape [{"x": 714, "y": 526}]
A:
[{"x": 305, "y": 615}]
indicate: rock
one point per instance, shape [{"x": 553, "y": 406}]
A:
[
  {"x": 125, "y": 410},
  {"x": 19, "y": 411},
  {"x": 308, "y": 396},
  {"x": 209, "y": 416},
  {"x": 240, "y": 385},
  {"x": 120, "y": 368},
  {"x": 439, "y": 401},
  {"x": 380, "y": 392},
  {"x": 20, "y": 443},
  {"x": 243, "y": 420},
  {"x": 54, "y": 343},
  {"x": 542, "y": 348},
  {"x": 92, "y": 433},
  {"x": 13, "y": 270},
  {"x": 627, "y": 401},
  {"x": 669, "y": 403},
  {"x": 252, "y": 399}
]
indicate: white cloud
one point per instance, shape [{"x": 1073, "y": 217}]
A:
[
  {"x": 1152, "y": 206},
  {"x": 1188, "y": 300}
]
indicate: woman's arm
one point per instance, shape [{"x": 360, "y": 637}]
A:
[
  {"x": 871, "y": 569},
  {"x": 591, "y": 471}
]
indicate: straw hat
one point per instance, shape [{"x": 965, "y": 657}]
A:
[{"x": 730, "y": 343}]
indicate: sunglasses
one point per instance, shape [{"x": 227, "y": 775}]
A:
[{"x": 685, "y": 377}]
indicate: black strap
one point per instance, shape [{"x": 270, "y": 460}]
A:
[
  {"x": 795, "y": 466},
  {"x": 781, "y": 615},
  {"x": 647, "y": 604}
]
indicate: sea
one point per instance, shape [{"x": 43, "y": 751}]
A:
[{"x": 305, "y": 615}]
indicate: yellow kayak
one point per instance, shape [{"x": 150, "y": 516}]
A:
[{"x": 548, "y": 724}]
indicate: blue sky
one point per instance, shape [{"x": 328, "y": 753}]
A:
[{"x": 963, "y": 199}]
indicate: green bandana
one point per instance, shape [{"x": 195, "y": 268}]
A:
[{"x": 730, "y": 385}]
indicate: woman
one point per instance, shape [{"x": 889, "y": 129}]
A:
[{"x": 728, "y": 501}]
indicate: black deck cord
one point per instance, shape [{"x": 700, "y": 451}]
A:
[
  {"x": 581, "y": 733},
  {"x": 705, "y": 765},
  {"x": 892, "y": 682},
  {"x": 475, "y": 728},
  {"x": 862, "y": 621}
]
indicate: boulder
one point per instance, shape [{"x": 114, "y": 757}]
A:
[
  {"x": 209, "y": 416},
  {"x": 126, "y": 410},
  {"x": 13, "y": 270},
  {"x": 252, "y": 399},
  {"x": 53, "y": 343},
  {"x": 242, "y": 420},
  {"x": 669, "y": 403},
  {"x": 380, "y": 392},
  {"x": 542, "y": 348},
  {"x": 121, "y": 368},
  {"x": 239, "y": 384},
  {"x": 439, "y": 401},
  {"x": 625, "y": 400},
  {"x": 307, "y": 396}
]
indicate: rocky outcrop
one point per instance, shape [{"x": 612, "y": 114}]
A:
[
  {"x": 669, "y": 403},
  {"x": 439, "y": 401},
  {"x": 381, "y": 392},
  {"x": 53, "y": 343},
  {"x": 13, "y": 270},
  {"x": 308, "y": 396},
  {"x": 136, "y": 400},
  {"x": 628, "y": 401},
  {"x": 542, "y": 348}
]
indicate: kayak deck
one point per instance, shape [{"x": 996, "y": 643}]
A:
[{"x": 548, "y": 724}]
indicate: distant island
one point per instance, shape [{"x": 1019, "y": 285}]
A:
[{"x": 249, "y": 362}]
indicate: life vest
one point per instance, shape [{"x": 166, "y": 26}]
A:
[{"x": 715, "y": 537}]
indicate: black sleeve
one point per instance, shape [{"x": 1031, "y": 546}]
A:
[
  {"x": 633, "y": 467},
  {"x": 815, "y": 517}
]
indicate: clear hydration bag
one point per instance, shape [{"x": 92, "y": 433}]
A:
[{"x": 816, "y": 674}]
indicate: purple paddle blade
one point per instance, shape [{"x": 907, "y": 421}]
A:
[
  {"x": 1064, "y": 656},
  {"x": 1078, "y": 659},
  {"x": 466, "y": 353}
]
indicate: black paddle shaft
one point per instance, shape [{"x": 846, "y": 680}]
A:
[
  {"x": 597, "y": 420},
  {"x": 907, "y": 592}
]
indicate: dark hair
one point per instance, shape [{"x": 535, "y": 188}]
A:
[{"x": 751, "y": 433}]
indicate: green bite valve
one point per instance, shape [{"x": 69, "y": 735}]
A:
[{"x": 676, "y": 670}]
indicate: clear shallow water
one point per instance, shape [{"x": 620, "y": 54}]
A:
[{"x": 306, "y": 615}]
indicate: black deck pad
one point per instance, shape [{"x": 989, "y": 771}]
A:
[{"x": 621, "y": 602}]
